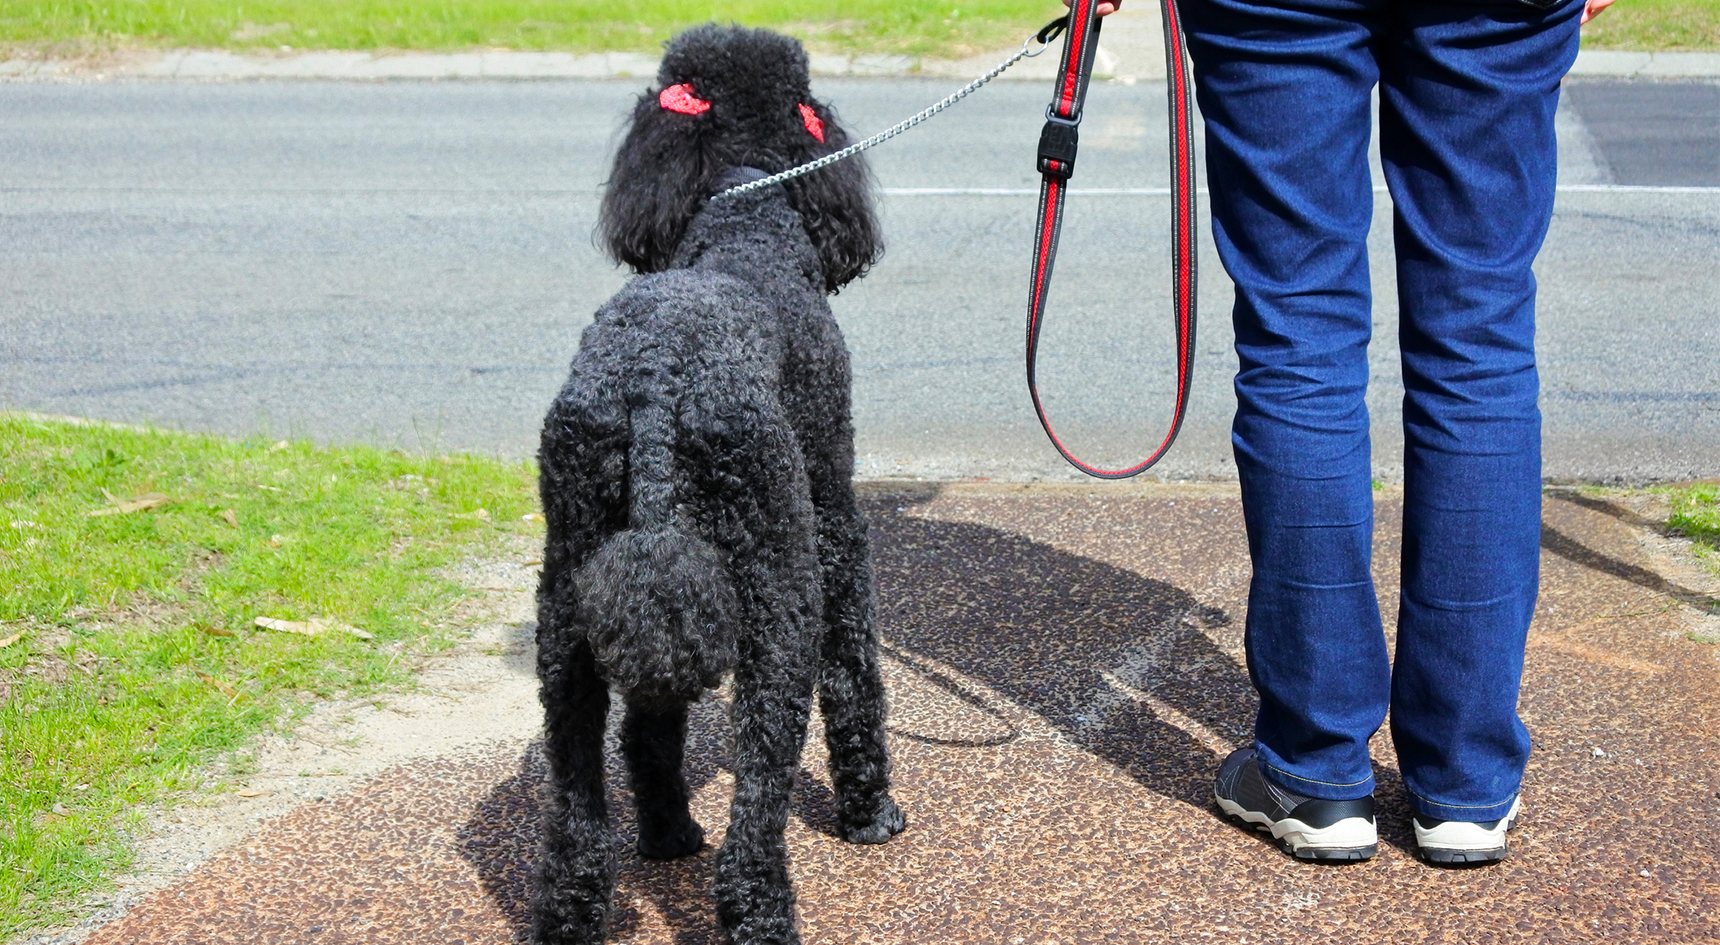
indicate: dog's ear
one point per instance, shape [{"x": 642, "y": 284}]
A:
[
  {"x": 835, "y": 202},
  {"x": 676, "y": 147},
  {"x": 662, "y": 176}
]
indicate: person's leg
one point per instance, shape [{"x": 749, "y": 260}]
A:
[
  {"x": 1284, "y": 88},
  {"x": 1468, "y": 91}
]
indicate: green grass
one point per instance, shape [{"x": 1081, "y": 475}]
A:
[
  {"x": 1696, "y": 515},
  {"x": 915, "y": 27},
  {"x": 135, "y": 661},
  {"x": 1651, "y": 25},
  {"x": 911, "y": 27}
]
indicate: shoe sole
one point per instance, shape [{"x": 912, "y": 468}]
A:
[
  {"x": 1439, "y": 857},
  {"x": 1350, "y": 840},
  {"x": 1479, "y": 848}
]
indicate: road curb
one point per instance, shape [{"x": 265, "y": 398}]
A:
[
  {"x": 209, "y": 64},
  {"x": 1656, "y": 65},
  {"x": 203, "y": 64}
]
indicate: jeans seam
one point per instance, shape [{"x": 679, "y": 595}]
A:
[{"x": 1316, "y": 780}]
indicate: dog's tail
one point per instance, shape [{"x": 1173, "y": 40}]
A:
[{"x": 657, "y": 602}]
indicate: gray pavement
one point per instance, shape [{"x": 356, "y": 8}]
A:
[{"x": 409, "y": 264}]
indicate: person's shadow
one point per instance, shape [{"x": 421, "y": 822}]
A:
[
  {"x": 1088, "y": 647},
  {"x": 1097, "y": 651}
]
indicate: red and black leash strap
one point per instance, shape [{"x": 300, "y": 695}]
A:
[{"x": 1057, "y": 146}]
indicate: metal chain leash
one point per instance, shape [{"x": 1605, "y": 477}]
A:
[{"x": 1043, "y": 37}]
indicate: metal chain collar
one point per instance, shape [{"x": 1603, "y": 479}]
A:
[{"x": 1043, "y": 37}]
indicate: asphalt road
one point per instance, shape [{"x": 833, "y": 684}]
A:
[{"x": 410, "y": 264}]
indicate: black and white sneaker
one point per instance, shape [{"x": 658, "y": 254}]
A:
[
  {"x": 1460, "y": 843},
  {"x": 1307, "y": 827}
]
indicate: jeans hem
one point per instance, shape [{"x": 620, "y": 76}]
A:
[{"x": 1468, "y": 813}]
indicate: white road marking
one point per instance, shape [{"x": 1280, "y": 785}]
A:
[{"x": 1166, "y": 191}]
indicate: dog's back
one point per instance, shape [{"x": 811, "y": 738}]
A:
[{"x": 673, "y": 394}]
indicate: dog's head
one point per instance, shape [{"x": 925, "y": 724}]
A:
[{"x": 730, "y": 97}]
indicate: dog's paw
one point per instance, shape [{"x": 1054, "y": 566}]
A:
[
  {"x": 667, "y": 843},
  {"x": 888, "y": 822}
]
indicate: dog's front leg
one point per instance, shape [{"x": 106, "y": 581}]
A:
[
  {"x": 850, "y": 686},
  {"x": 576, "y": 873},
  {"x": 773, "y": 697}
]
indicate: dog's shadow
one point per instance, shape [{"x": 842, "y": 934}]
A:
[
  {"x": 505, "y": 833},
  {"x": 503, "y": 836},
  {"x": 1122, "y": 665}
]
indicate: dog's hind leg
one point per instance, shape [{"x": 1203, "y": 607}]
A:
[
  {"x": 773, "y": 698},
  {"x": 576, "y": 873},
  {"x": 775, "y": 566},
  {"x": 653, "y": 740},
  {"x": 581, "y": 466}
]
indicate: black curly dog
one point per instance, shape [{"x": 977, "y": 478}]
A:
[{"x": 696, "y": 479}]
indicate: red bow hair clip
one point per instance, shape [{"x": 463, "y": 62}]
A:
[
  {"x": 680, "y": 98},
  {"x": 814, "y": 124}
]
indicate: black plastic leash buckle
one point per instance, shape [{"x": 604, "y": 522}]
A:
[{"x": 1058, "y": 141}]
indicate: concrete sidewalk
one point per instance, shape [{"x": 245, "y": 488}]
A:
[
  {"x": 1131, "y": 48},
  {"x": 1066, "y": 669}
]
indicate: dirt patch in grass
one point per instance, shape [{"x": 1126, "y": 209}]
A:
[{"x": 1679, "y": 530}]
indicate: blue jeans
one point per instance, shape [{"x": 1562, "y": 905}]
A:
[{"x": 1467, "y": 95}]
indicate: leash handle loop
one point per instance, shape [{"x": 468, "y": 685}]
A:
[{"x": 1058, "y": 143}]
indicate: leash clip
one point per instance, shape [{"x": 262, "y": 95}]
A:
[{"x": 1058, "y": 141}]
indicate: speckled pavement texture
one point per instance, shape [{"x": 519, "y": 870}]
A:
[{"x": 1066, "y": 670}]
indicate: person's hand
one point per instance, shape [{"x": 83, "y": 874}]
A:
[
  {"x": 1111, "y": 6},
  {"x": 1591, "y": 9}
]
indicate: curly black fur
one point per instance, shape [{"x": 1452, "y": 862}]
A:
[
  {"x": 755, "y": 81},
  {"x": 659, "y": 611},
  {"x": 696, "y": 479}
]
